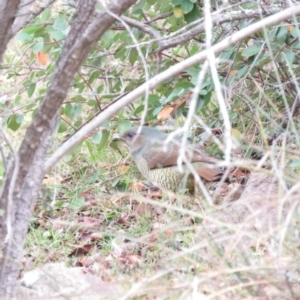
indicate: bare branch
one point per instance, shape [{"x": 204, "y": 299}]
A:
[
  {"x": 190, "y": 31},
  {"x": 143, "y": 27},
  {"x": 217, "y": 19}
]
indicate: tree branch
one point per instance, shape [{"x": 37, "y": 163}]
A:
[
  {"x": 217, "y": 19},
  {"x": 143, "y": 27}
]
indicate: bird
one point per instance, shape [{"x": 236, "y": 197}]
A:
[{"x": 157, "y": 159}]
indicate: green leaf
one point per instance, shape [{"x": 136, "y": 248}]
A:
[
  {"x": 157, "y": 110},
  {"x": 35, "y": 29},
  {"x": 40, "y": 73},
  {"x": 281, "y": 34},
  {"x": 77, "y": 110},
  {"x": 242, "y": 71},
  {"x": 78, "y": 98},
  {"x": 193, "y": 15},
  {"x": 177, "y": 2},
  {"x": 140, "y": 5},
  {"x": 178, "y": 91},
  {"x": 100, "y": 89},
  {"x": 123, "y": 125},
  {"x": 23, "y": 36},
  {"x": 38, "y": 46},
  {"x": 62, "y": 127},
  {"x": 77, "y": 202},
  {"x": 77, "y": 123},
  {"x": 104, "y": 140},
  {"x": 31, "y": 90},
  {"x": 61, "y": 203},
  {"x": 46, "y": 14},
  {"x": 19, "y": 118},
  {"x": 133, "y": 55},
  {"x": 57, "y": 35},
  {"x": 138, "y": 11},
  {"x": 252, "y": 50},
  {"x": 91, "y": 103},
  {"x": 295, "y": 32},
  {"x": 227, "y": 54},
  {"x": 297, "y": 46},
  {"x": 187, "y": 6},
  {"x": 69, "y": 110},
  {"x": 96, "y": 139},
  {"x": 94, "y": 75},
  {"x": 295, "y": 163},
  {"x": 289, "y": 56},
  {"x": 203, "y": 101},
  {"x": 60, "y": 24},
  {"x": 121, "y": 53},
  {"x": 12, "y": 122}
]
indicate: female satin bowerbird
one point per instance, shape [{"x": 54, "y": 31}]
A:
[{"x": 157, "y": 159}]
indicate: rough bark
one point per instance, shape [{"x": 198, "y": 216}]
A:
[
  {"x": 8, "y": 11},
  {"x": 18, "y": 203}
]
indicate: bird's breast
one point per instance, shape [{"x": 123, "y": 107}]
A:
[{"x": 168, "y": 178}]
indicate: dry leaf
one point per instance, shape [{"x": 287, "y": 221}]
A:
[
  {"x": 41, "y": 57},
  {"x": 88, "y": 222},
  {"x": 123, "y": 168},
  {"x": 80, "y": 250},
  {"x": 96, "y": 236},
  {"x": 165, "y": 113}
]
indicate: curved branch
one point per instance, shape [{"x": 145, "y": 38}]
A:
[
  {"x": 216, "y": 20},
  {"x": 191, "y": 30},
  {"x": 143, "y": 27}
]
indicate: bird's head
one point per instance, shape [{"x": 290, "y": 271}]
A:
[{"x": 138, "y": 138}]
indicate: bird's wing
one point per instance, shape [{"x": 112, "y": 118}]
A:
[
  {"x": 159, "y": 155},
  {"x": 208, "y": 171}
]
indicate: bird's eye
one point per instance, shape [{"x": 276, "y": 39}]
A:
[{"x": 130, "y": 135}]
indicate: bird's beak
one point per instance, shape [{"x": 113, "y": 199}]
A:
[{"x": 116, "y": 137}]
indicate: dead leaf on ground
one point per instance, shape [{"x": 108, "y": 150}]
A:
[
  {"x": 160, "y": 235},
  {"x": 123, "y": 220},
  {"x": 89, "y": 222},
  {"x": 143, "y": 210},
  {"x": 80, "y": 250},
  {"x": 89, "y": 198},
  {"x": 239, "y": 174},
  {"x": 96, "y": 236},
  {"x": 85, "y": 235},
  {"x": 84, "y": 262},
  {"x": 123, "y": 168},
  {"x": 130, "y": 260},
  {"x": 57, "y": 179}
]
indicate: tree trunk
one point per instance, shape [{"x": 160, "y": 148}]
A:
[{"x": 8, "y": 12}]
